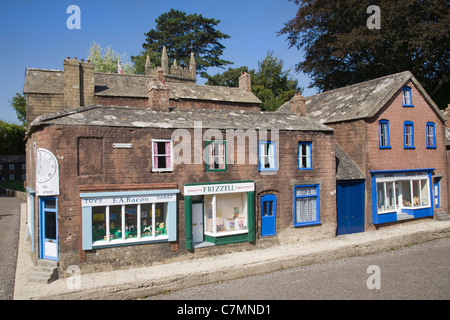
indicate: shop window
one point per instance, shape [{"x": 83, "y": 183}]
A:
[
  {"x": 431, "y": 135},
  {"x": 304, "y": 156},
  {"x": 406, "y": 97},
  {"x": 267, "y": 156},
  {"x": 383, "y": 134},
  {"x": 128, "y": 222},
  {"x": 409, "y": 135},
  {"x": 402, "y": 193},
  {"x": 307, "y": 211},
  {"x": 216, "y": 160},
  {"x": 162, "y": 155},
  {"x": 225, "y": 214}
]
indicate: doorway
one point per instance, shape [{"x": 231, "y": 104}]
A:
[
  {"x": 197, "y": 222},
  {"x": 48, "y": 222},
  {"x": 268, "y": 215}
]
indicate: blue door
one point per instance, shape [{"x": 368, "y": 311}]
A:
[
  {"x": 48, "y": 221},
  {"x": 350, "y": 207},
  {"x": 268, "y": 215}
]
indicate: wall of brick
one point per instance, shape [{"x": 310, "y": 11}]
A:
[
  {"x": 399, "y": 158},
  {"x": 76, "y": 147},
  {"x": 39, "y": 104}
]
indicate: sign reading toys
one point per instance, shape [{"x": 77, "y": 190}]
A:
[
  {"x": 194, "y": 190},
  {"x": 47, "y": 173}
]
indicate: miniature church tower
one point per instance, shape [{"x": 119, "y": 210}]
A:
[{"x": 173, "y": 73}]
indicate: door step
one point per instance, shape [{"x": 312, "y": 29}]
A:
[
  {"x": 442, "y": 216},
  {"x": 46, "y": 271}
]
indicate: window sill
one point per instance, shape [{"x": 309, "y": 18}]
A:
[
  {"x": 408, "y": 105},
  {"x": 386, "y": 147},
  {"x": 226, "y": 233},
  {"x": 409, "y": 147},
  {"x": 311, "y": 223},
  {"x": 120, "y": 242}
]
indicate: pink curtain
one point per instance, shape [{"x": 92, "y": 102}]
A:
[
  {"x": 221, "y": 156},
  {"x": 155, "y": 155},
  {"x": 168, "y": 163}
]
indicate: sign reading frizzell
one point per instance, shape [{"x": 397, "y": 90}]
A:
[{"x": 47, "y": 173}]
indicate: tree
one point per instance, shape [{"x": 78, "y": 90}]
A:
[
  {"x": 12, "y": 138},
  {"x": 341, "y": 50},
  {"x": 271, "y": 84},
  {"x": 106, "y": 60},
  {"x": 19, "y": 104},
  {"x": 183, "y": 34}
]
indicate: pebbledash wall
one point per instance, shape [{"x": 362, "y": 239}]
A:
[{"x": 92, "y": 168}]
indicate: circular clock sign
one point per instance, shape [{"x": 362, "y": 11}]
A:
[{"x": 47, "y": 173}]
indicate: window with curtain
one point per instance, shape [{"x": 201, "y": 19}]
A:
[
  {"x": 216, "y": 156},
  {"x": 267, "y": 156},
  {"x": 307, "y": 205},
  {"x": 162, "y": 155},
  {"x": 304, "y": 156}
]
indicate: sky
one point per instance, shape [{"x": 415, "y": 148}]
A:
[{"x": 34, "y": 34}]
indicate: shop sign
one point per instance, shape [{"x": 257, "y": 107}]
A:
[
  {"x": 218, "y": 188},
  {"x": 118, "y": 200}
]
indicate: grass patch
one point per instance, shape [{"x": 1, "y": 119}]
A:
[{"x": 13, "y": 185}]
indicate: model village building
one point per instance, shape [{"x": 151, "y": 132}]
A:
[{"x": 131, "y": 170}]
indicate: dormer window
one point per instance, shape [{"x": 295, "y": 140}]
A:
[{"x": 406, "y": 97}]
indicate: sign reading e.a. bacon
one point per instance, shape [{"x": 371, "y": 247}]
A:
[{"x": 199, "y": 189}]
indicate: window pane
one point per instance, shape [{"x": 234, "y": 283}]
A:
[
  {"x": 131, "y": 221},
  {"x": 425, "y": 193},
  {"x": 390, "y": 201},
  {"x": 115, "y": 222},
  {"x": 146, "y": 220},
  {"x": 306, "y": 209},
  {"x": 230, "y": 212},
  {"x": 305, "y": 191},
  {"x": 98, "y": 223},
  {"x": 406, "y": 193},
  {"x": 209, "y": 214},
  {"x": 381, "y": 197},
  {"x": 50, "y": 204},
  {"x": 160, "y": 219},
  {"x": 50, "y": 225}
]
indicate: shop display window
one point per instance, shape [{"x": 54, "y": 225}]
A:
[
  {"x": 128, "y": 222},
  {"x": 225, "y": 214},
  {"x": 402, "y": 193}
]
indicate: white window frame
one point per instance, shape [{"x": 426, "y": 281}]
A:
[
  {"x": 398, "y": 199},
  {"x": 158, "y": 155}
]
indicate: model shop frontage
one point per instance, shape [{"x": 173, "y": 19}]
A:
[{"x": 219, "y": 213}]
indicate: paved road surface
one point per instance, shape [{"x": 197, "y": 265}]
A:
[
  {"x": 416, "y": 272},
  {"x": 9, "y": 239}
]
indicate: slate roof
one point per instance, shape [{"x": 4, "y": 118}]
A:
[
  {"x": 361, "y": 100},
  {"x": 115, "y": 116},
  {"x": 346, "y": 169},
  {"x": 135, "y": 86}
]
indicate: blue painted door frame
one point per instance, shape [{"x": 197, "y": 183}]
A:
[
  {"x": 268, "y": 215},
  {"x": 350, "y": 206},
  {"x": 48, "y": 228}
]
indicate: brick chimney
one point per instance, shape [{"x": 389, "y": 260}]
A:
[
  {"x": 158, "y": 93},
  {"x": 78, "y": 83},
  {"x": 245, "y": 82},
  {"x": 298, "y": 105}
]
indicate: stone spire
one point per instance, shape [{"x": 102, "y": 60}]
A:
[{"x": 165, "y": 60}]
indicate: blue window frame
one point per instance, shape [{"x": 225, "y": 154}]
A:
[
  {"x": 408, "y": 134},
  {"x": 431, "y": 135},
  {"x": 406, "y": 97},
  {"x": 383, "y": 134},
  {"x": 307, "y": 205},
  {"x": 267, "y": 156},
  {"x": 304, "y": 156}
]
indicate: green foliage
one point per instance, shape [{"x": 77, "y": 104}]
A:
[
  {"x": 105, "y": 60},
  {"x": 11, "y": 138},
  {"x": 340, "y": 50},
  {"x": 183, "y": 34},
  {"x": 19, "y": 104},
  {"x": 271, "y": 84}
]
